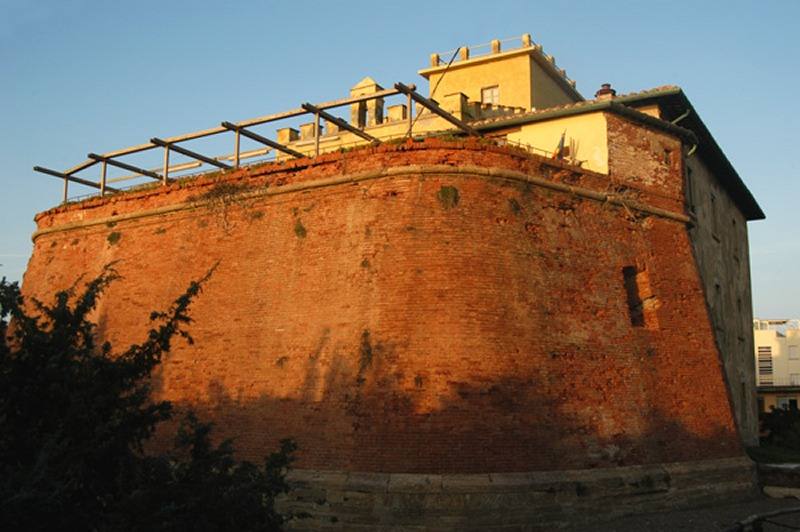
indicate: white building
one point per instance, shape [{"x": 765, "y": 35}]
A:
[{"x": 777, "y": 354}]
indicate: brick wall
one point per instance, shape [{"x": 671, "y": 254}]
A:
[{"x": 416, "y": 320}]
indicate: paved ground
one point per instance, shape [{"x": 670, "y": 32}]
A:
[{"x": 709, "y": 519}]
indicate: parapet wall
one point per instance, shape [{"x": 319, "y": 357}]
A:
[{"x": 437, "y": 307}]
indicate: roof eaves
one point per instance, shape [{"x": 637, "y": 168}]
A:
[
  {"x": 587, "y": 107},
  {"x": 709, "y": 149},
  {"x": 697, "y": 133}
]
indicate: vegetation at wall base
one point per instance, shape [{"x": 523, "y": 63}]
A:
[
  {"x": 770, "y": 454},
  {"x": 780, "y": 440},
  {"x": 75, "y": 417}
]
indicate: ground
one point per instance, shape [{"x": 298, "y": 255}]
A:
[{"x": 707, "y": 519}]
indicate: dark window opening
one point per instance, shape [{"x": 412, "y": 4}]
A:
[
  {"x": 689, "y": 190},
  {"x": 714, "y": 218},
  {"x": 642, "y": 304}
]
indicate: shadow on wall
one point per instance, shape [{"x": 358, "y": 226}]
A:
[{"x": 358, "y": 414}]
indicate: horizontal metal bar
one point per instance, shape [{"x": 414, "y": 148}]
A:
[
  {"x": 189, "y": 153},
  {"x": 263, "y": 140},
  {"x": 434, "y": 107},
  {"x": 244, "y": 155},
  {"x": 124, "y": 166},
  {"x": 271, "y": 118},
  {"x": 244, "y": 123},
  {"x": 175, "y": 168},
  {"x": 339, "y": 122},
  {"x": 78, "y": 167},
  {"x": 258, "y": 120},
  {"x": 362, "y": 98},
  {"x": 130, "y": 150},
  {"x": 72, "y": 178}
]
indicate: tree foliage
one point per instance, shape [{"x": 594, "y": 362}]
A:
[
  {"x": 781, "y": 428},
  {"x": 75, "y": 417}
]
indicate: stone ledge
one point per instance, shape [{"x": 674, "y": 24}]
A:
[{"x": 539, "y": 500}]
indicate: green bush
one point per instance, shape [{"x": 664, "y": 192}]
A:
[
  {"x": 781, "y": 427},
  {"x": 74, "y": 420}
]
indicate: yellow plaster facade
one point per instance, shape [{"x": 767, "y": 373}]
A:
[
  {"x": 545, "y": 90},
  {"x": 510, "y": 72},
  {"x": 652, "y": 110},
  {"x": 585, "y": 136},
  {"x": 525, "y": 79}
]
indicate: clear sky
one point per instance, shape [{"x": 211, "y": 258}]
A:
[{"x": 81, "y": 76}]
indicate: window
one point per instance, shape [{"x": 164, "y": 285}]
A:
[
  {"x": 793, "y": 355},
  {"x": 642, "y": 304},
  {"x": 714, "y": 217},
  {"x": 794, "y": 379},
  {"x": 689, "y": 190},
  {"x": 787, "y": 403},
  {"x": 765, "y": 365},
  {"x": 490, "y": 95}
]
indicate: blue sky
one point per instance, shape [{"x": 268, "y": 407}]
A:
[{"x": 81, "y": 76}]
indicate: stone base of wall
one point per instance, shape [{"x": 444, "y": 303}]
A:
[{"x": 334, "y": 500}]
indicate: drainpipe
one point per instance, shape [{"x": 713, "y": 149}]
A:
[{"x": 684, "y": 115}]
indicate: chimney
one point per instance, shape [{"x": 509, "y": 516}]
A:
[{"x": 605, "y": 92}]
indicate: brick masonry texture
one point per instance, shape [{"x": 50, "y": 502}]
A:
[{"x": 423, "y": 322}]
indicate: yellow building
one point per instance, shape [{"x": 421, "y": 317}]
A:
[{"x": 777, "y": 357}]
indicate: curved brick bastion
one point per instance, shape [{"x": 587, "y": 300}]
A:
[{"x": 456, "y": 334}]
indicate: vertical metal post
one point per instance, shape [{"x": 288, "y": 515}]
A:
[
  {"x": 410, "y": 112},
  {"x": 103, "y": 169},
  {"x": 316, "y": 135},
  {"x": 236, "y": 150},
  {"x": 66, "y": 189},
  {"x": 165, "y": 174}
]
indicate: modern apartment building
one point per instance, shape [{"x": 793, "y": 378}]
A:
[{"x": 777, "y": 353}]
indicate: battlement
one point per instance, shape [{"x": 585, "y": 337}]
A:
[
  {"x": 521, "y": 77},
  {"x": 493, "y": 49}
]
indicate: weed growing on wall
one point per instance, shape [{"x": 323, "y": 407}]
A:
[
  {"x": 299, "y": 229},
  {"x": 448, "y": 197},
  {"x": 222, "y": 196}
]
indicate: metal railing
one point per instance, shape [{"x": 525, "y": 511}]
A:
[
  {"x": 465, "y": 53},
  {"x": 775, "y": 381},
  {"x": 171, "y": 145},
  {"x": 483, "y": 49}
]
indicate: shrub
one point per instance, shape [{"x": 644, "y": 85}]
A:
[{"x": 74, "y": 419}]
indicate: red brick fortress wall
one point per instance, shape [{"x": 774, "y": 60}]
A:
[{"x": 422, "y": 307}]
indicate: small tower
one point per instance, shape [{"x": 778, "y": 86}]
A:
[
  {"x": 369, "y": 113},
  {"x": 519, "y": 77}
]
